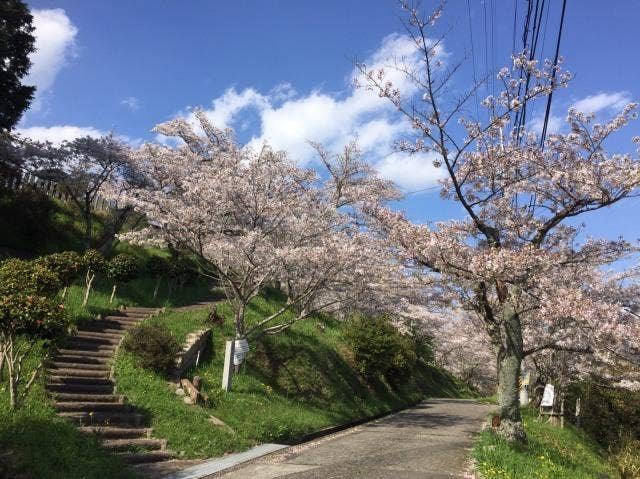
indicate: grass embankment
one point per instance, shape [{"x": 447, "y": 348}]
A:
[
  {"x": 550, "y": 453},
  {"x": 294, "y": 383},
  {"x": 34, "y": 441}
]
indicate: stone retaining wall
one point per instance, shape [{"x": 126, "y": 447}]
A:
[{"x": 196, "y": 342}]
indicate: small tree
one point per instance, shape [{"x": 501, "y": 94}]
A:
[
  {"x": 66, "y": 265},
  {"x": 120, "y": 269},
  {"x": 28, "y": 313},
  {"x": 93, "y": 263},
  {"x": 159, "y": 268}
]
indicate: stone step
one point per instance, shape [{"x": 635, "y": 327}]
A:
[
  {"x": 117, "y": 432},
  {"x": 135, "y": 315},
  {"x": 79, "y": 373},
  {"x": 57, "y": 364},
  {"x": 92, "y": 406},
  {"x": 100, "y": 335},
  {"x": 107, "y": 327},
  {"x": 144, "y": 457},
  {"x": 74, "y": 356},
  {"x": 93, "y": 342},
  {"x": 139, "y": 309},
  {"x": 74, "y": 350},
  {"x": 79, "y": 397},
  {"x": 122, "y": 319},
  {"x": 136, "y": 444},
  {"x": 103, "y": 418},
  {"x": 52, "y": 379},
  {"x": 80, "y": 388}
]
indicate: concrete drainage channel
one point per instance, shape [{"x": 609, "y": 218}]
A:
[{"x": 217, "y": 465}]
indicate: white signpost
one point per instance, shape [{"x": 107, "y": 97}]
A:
[{"x": 548, "y": 396}]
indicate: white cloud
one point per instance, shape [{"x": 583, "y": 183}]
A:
[
  {"x": 602, "y": 101},
  {"x": 55, "y": 39},
  {"x": 288, "y": 121},
  {"x": 412, "y": 172},
  {"x": 59, "y": 133},
  {"x": 131, "y": 102}
]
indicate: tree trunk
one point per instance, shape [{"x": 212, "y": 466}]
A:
[
  {"x": 155, "y": 290},
  {"x": 509, "y": 358},
  {"x": 113, "y": 293},
  {"x": 13, "y": 387},
  {"x": 88, "y": 221},
  {"x": 240, "y": 321},
  {"x": 1, "y": 365},
  {"x": 88, "y": 281},
  {"x": 64, "y": 293}
]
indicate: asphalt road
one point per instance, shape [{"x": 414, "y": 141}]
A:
[{"x": 429, "y": 441}]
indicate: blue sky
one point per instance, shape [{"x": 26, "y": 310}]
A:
[{"x": 281, "y": 71}]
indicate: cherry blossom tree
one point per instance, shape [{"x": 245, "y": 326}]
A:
[
  {"x": 255, "y": 219},
  {"x": 517, "y": 259}
]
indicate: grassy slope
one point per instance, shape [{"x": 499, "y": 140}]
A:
[
  {"x": 294, "y": 383},
  {"x": 551, "y": 453},
  {"x": 34, "y": 442}
]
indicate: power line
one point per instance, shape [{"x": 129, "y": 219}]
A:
[
  {"x": 553, "y": 75},
  {"x": 473, "y": 61}
]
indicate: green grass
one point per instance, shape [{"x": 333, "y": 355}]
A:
[
  {"x": 551, "y": 453},
  {"x": 294, "y": 383}
]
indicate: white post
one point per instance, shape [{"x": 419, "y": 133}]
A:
[{"x": 227, "y": 373}]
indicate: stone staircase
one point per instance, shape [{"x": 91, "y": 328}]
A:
[{"x": 80, "y": 379}]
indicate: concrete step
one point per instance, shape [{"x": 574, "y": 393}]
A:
[
  {"x": 135, "y": 444},
  {"x": 99, "y": 335},
  {"x": 112, "y": 432},
  {"x": 79, "y": 373},
  {"x": 107, "y": 327},
  {"x": 93, "y": 342},
  {"x": 60, "y": 388},
  {"x": 103, "y": 418},
  {"x": 52, "y": 379},
  {"x": 135, "y": 315},
  {"x": 84, "y": 366},
  {"x": 81, "y": 358},
  {"x": 79, "y": 397},
  {"x": 92, "y": 406},
  {"x": 75, "y": 350},
  {"x": 128, "y": 320},
  {"x": 138, "y": 309},
  {"x": 144, "y": 457}
]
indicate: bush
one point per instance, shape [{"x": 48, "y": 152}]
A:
[
  {"x": 153, "y": 345},
  {"x": 379, "y": 349},
  {"x": 609, "y": 414},
  {"x": 66, "y": 265},
  {"x": 627, "y": 460},
  {"x": 122, "y": 268}
]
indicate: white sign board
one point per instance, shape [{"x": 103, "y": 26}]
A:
[{"x": 547, "y": 396}]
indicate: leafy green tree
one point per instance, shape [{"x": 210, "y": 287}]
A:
[
  {"x": 28, "y": 313},
  {"x": 121, "y": 268},
  {"x": 379, "y": 348},
  {"x": 93, "y": 263},
  {"x": 16, "y": 43}
]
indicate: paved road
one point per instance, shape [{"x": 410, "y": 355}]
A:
[{"x": 429, "y": 441}]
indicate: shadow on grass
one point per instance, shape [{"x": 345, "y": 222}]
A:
[{"x": 45, "y": 448}]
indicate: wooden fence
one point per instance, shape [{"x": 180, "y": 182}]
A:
[{"x": 51, "y": 189}]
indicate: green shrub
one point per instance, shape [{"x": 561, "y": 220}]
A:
[
  {"x": 67, "y": 265},
  {"x": 609, "y": 414},
  {"x": 153, "y": 345},
  {"x": 627, "y": 460},
  {"x": 379, "y": 349}
]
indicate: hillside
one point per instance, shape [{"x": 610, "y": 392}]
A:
[{"x": 292, "y": 384}]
